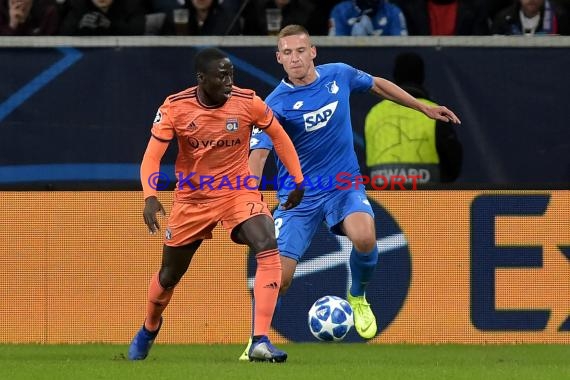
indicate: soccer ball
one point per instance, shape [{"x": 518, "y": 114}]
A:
[{"x": 330, "y": 319}]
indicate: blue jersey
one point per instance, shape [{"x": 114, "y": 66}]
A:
[
  {"x": 347, "y": 20},
  {"x": 317, "y": 119}
]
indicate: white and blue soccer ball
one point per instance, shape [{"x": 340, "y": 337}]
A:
[{"x": 330, "y": 319}]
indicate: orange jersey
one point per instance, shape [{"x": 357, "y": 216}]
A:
[{"x": 213, "y": 142}]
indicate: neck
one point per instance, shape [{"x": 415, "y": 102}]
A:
[
  {"x": 307, "y": 79},
  {"x": 206, "y": 100}
]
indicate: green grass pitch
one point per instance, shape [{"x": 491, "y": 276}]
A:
[{"x": 342, "y": 361}]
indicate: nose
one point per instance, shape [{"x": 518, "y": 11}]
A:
[{"x": 228, "y": 80}]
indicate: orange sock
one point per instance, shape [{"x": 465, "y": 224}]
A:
[
  {"x": 158, "y": 299},
  {"x": 266, "y": 290}
]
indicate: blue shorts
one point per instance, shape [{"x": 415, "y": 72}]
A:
[{"x": 295, "y": 228}]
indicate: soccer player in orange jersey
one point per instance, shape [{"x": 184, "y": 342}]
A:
[{"x": 212, "y": 123}]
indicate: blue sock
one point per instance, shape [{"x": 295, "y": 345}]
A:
[{"x": 362, "y": 266}]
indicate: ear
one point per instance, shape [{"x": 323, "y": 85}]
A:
[
  {"x": 278, "y": 57},
  {"x": 200, "y": 77},
  {"x": 313, "y": 52}
]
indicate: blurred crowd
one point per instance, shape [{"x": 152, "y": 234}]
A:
[{"x": 266, "y": 17}]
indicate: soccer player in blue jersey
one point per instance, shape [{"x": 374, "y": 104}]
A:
[{"x": 312, "y": 105}]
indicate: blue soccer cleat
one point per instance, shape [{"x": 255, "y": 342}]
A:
[
  {"x": 142, "y": 342},
  {"x": 263, "y": 351}
]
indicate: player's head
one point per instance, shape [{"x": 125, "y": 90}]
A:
[
  {"x": 295, "y": 51},
  {"x": 215, "y": 76},
  {"x": 409, "y": 69}
]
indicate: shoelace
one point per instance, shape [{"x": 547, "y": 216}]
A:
[{"x": 362, "y": 311}]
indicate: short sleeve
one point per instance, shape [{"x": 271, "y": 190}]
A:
[
  {"x": 260, "y": 140},
  {"x": 262, "y": 115},
  {"x": 162, "y": 128},
  {"x": 360, "y": 81}
]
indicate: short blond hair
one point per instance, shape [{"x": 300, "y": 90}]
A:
[{"x": 292, "y": 30}]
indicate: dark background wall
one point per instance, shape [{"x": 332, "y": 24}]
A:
[{"x": 81, "y": 117}]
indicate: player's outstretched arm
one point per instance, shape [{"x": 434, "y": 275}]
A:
[
  {"x": 442, "y": 113},
  {"x": 288, "y": 155},
  {"x": 264, "y": 118},
  {"x": 389, "y": 90},
  {"x": 150, "y": 168},
  {"x": 285, "y": 150},
  {"x": 257, "y": 159}
]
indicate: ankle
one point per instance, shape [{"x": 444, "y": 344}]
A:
[{"x": 152, "y": 328}]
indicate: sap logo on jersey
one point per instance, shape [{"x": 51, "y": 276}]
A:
[
  {"x": 324, "y": 269},
  {"x": 319, "y": 118}
]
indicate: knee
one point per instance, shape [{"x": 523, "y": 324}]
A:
[
  {"x": 168, "y": 279},
  {"x": 360, "y": 229},
  {"x": 364, "y": 243},
  {"x": 265, "y": 244}
]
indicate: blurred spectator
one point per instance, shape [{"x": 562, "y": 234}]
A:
[
  {"x": 104, "y": 18},
  {"x": 160, "y": 15},
  {"x": 367, "y": 18},
  {"x": 208, "y": 18},
  {"x": 28, "y": 18},
  {"x": 231, "y": 6},
  {"x": 192, "y": 17},
  {"x": 494, "y": 6},
  {"x": 446, "y": 17},
  {"x": 531, "y": 17},
  {"x": 256, "y": 16},
  {"x": 318, "y": 23},
  {"x": 402, "y": 141}
]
